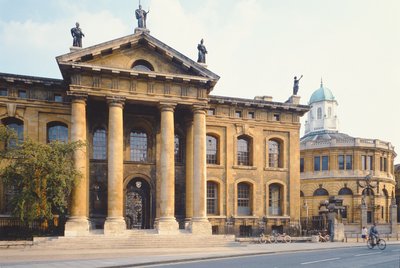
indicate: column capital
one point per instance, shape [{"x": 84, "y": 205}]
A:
[
  {"x": 199, "y": 109},
  {"x": 77, "y": 96},
  {"x": 167, "y": 106},
  {"x": 115, "y": 101}
]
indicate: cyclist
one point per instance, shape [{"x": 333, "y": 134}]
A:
[{"x": 373, "y": 234}]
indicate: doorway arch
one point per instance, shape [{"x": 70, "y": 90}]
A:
[{"x": 137, "y": 204}]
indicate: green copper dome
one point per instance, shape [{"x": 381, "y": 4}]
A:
[{"x": 321, "y": 94}]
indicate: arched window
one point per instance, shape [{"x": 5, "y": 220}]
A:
[
  {"x": 212, "y": 198},
  {"x": 368, "y": 191},
  {"x": 320, "y": 192},
  {"x": 138, "y": 142},
  {"x": 243, "y": 151},
  {"x": 345, "y": 191},
  {"x": 100, "y": 144},
  {"x": 243, "y": 199},
  {"x": 179, "y": 149},
  {"x": 18, "y": 127},
  {"x": 142, "y": 65},
  {"x": 212, "y": 150},
  {"x": 274, "y": 154},
  {"x": 57, "y": 131},
  {"x": 275, "y": 199},
  {"x": 319, "y": 113}
]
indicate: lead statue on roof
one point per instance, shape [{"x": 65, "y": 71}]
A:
[
  {"x": 77, "y": 35},
  {"x": 141, "y": 16},
  {"x": 202, "y": 52}
]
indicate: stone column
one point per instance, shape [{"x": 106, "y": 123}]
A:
[
  {"x": 393, "y": 216},
  {"x": 115, "y": 223},
  {"x": 78, "y": 223},
  {"x": 199, "y": 223},
  {"x": 189, "y": 173},
  {"x": 167, "y": 222}
]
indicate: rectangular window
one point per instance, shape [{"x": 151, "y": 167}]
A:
[
  {"x": 349, "y": 162},
  {"x": 317, "y": 161},
  {"x": 301, "y": 164},
  {"x": 325, "y": 162},
  {"x": 363, "y": 162},
  {"x": 250, "y": 115},
  {"x": 341, "y": 162},
  {"x": 22, "y": 94},
  {"x": 238, "y": 114},
  {"x": 385, "y": 164},
  {"x": 58, "y": 98},
  {"x": 370, "y": 162},
  {"x": 277, "y": 117},
  {"x": 3, "y": 92},
  {"x": 211, "y": 112}
]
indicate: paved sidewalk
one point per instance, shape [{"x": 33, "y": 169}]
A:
[{"x": 31, "y": 257}]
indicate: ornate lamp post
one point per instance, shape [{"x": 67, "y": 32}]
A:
[{"x": 367, "y": 185}]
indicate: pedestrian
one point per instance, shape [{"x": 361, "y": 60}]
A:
[{"x": 364, "y": 233}]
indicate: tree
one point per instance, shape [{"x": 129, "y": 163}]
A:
[{"x": 41, "y": 176}]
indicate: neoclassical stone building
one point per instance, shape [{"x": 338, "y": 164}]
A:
[
  {"x": 334, "y": 164},
  {"x": 162, "y": 151}
]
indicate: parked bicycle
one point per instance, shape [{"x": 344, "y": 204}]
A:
[
  {"x": 264, "y": 239},
  {"x": 381, "y": 243},
  {"x": 323, "y": 238},
  {"x": 283, "y": 238}
]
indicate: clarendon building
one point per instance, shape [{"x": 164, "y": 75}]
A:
[
  {"x": 163, "y": 153},
  {"x": 358, "y": 171}
]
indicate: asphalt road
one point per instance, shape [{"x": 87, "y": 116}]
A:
[{"x": 342, "y": 257}]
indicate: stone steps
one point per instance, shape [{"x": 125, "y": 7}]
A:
[{"x": 135, "y": 240}]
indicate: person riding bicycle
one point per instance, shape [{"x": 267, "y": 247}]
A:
[{"x": 373, "y": 234}]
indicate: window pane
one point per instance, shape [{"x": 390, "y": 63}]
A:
[
  {"x": 212, "y": 150},
  {"x": 138, "y": 142},
  {"x": 363, "y": 162},
  {"x": 100, "y": 144},
  {"x": 349, "y": 162},
  {"x": 369, "y": 163},
  {"x": 274, "y": 200},
  {"x": 243, "y": 152},
  {"x": 58, "y": 98},
  {"x": 341, "y": 162},
  {"x": 273, "y": 156},
  {"x": 243, "y": 199},
  {"x": 212, "y": 198},
  {"x": 57, "y": 132},
  {"x": 178, "y": 149},
  {"x": 3, "y": 92},
  {"x": 22, "y": 94},
  {"x": 325, "y": 162},
  {"x": 301, "y": 164},
  {"x": 18, "y": 127},
  {"x": 317, "y": 160},
  {"x": 238, "y": 114}
]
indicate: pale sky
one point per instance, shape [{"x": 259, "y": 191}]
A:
[{"x": 256, "y": 46}]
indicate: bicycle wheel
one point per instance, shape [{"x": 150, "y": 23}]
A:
[
  {"x": 381, "y": 244},
  {"x": 327, "y": 238},
  {"x": 287, "y": 239}
]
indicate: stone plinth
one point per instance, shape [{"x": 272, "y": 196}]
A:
[
  {"x": 114, "y": 226},
  {"x": 76, "y": 226},
  {"x": 167, "y": 226},
  {"x": 200, "y": 227},
  {"x": 74, "y": 49},
  {"x": 294, "y": 99},
  {"x": 142, "y": 30}
]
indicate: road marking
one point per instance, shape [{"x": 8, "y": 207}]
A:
[
  {"x": 365, "y": 254},
  {"x": 395, "y": 249},
  {"x": 310, "y": 262}
]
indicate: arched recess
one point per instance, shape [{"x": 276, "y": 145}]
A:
[
  {"x": 17, "y": 125},
  {"x": 140, "y": 126},
  {"x": 251, "y": 187},
  {"x": 214, "y": 197},
  {"x": 57, "y": 131},
  {"x": 270, "y": 210},
  {"x": 345, "y": 191},
  {"x": 142, "y": 65},
  {"x": 385, "y": 206},
  {"x": 321, "y": 192},
  {"x": 275, "y": 152},
  {"x": 244, "y": 150},
  {"x": 139, "y": 202},
  {"x": 213, "y": 148}
]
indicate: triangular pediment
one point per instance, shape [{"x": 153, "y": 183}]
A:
[{"x": 122, "y": 54}]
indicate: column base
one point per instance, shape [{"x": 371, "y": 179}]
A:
[
  {"x": 167, "y": 226},
  {"x": 187, "y": 223},
  {"x": 76, "y": 226},
  {"x": 200, "y": 227},
  {"x": 114, "y": 226}
]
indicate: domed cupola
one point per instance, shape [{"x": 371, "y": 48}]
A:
[
  {"x": 322, "y": 116},
  {"x": 321, "y": 94}
]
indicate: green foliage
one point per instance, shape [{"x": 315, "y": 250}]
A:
[{"x": 42, "y": 177}]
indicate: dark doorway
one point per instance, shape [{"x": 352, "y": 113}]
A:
[{"x": 137, "y": 204}]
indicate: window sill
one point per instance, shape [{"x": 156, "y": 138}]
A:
[
  {"x": 245, "y": 217},
  {"x": 245, "y": 167},
  {"x": 216, "y": 216},
  {"x": 276, "y": 169},
  {"x": 138, "y": 163},
  {"x": 215, "y": 166},
  {"x": 277, "y": 217}
]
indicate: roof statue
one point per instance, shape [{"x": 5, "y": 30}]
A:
[
  {"x": 296, "y": 85},
  {"x": 202, "y": 52},
  {"x": 141, "y": 16},
  {"x": 77, "y": 35}
]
